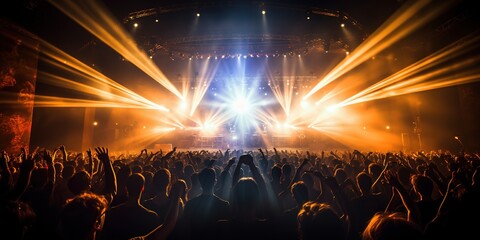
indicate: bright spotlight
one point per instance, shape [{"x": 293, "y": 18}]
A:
[
  {"x": 183, "y": 105},
  {"x": 304, "y": 104},
  {"x": 95, "y": 123},
  {"x": 234, "y": 137},
  {"x": 332, "y": 109},
  {"x": 198, "y": 14},
  {"x": 387, "y": 127},
  {"x": 342, "y": 25},
  {"x": 135, "y": 25},
  {"x": 241, "y": 106},
  {"x": 263, "y": 12},
  {"x": 208, "y": 127}
]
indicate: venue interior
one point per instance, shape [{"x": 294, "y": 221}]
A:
[{"x": 380, "y": 75}]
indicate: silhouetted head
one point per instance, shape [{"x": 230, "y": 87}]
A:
[
  {"x": 68, "y": 171},
  {"x": 137, "y": 169},
  {"x": 340, "y": 175},
  {"x": 207, "y": 179},
  {"x": 286, "y": 170},
  {"x": 82, "y": 216},
  {"x": 245, "y": 196},
  {"x": 299, "y": 192},
  {"x": 79, "y": 183},
  {"x": 161, "y": 179},
  {"x": 364, "y": 182},
  {"x": 423, "y": 185},
  {"x": 319, "y": 221},
  {"x": 188, "y": 170},
  {"x": 393, "y": 226},
  {"x": 374, "y": 169},
  {"x": 135, "y": 185},
  {"x": 276, "y": 173}
]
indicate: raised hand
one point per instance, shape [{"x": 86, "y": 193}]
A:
[
  {"x": 47, "y": 156},
  {"x": 102, "y": 154},
  {"x": 89, "y": 153},
  {"x": 392, "y": 179},
  {"x": 27, "y": 161},
  {"x": 247, "y": 160}
]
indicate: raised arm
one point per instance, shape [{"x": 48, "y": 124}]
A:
[
  {"x": 298, "y": 172},
  {"x": 26, "y": 168},
  {"x": 64, "y": 154},
  {"x": 413, "y": 213},
  {"x": 110, "y": 178},
  {"x": 90, "y": 162}
]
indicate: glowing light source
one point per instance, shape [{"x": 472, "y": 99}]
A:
[
  {"x": 263, "y": 12},
  {"x": 304, "y": 104},
  {"x": 198, "y": 14},
  {"x": 135, "y": 25},
  {"x": 342, "y": 25},
  {"x": 95, "y": 123},
  {"x": 241, "y": 106}
]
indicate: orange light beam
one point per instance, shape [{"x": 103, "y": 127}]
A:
[
  {"x": 441, "y": 82},
  {"x": 406, "y": 20},
  {"x": 96, "y": 19},
  {"x": 69, "y": 63},
  {"x": 449, "y": 52}
]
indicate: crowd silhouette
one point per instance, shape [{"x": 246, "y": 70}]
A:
[{"x": 239, "y": 194}]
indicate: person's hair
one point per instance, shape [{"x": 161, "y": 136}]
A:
[
  {"x": 364, "y": 182},
  {"x": 81, "y": 215},
  {"x": 374, "y": 169},
  {"x": 286, "y": 170},
  {"x": 422, "y": 184},
  {"x": 308, "y": 179},
  {"x": 276, "y": 172},
  {"x": 135, "y": 185},
  {"x": 161, "y": 179},
  {"x": 39, "y": 177},
  {"x": 245, "y": 195},
  {"x": 319, "y": 221},
  {"x": 299, "y": 192},
  {"x": 207, "y": 177},
  {"x": 394, "y": 226},
  {"x": 79, "y": 182},
  {"x": 68, "y": 171},
  {"x": 340, "y": 175}
]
